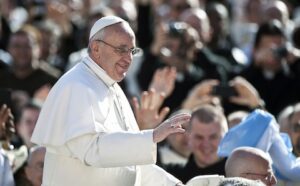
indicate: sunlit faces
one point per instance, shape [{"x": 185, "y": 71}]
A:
[
  {"x": 115, "y": 64},
  {"x": 204, "y": 140}
]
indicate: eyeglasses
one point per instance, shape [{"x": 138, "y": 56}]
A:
[
  {"x": 122, "y": 50},
  {"x": 267, "y": 177}
]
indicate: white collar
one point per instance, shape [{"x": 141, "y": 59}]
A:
[{"x": 99, "y": 72}]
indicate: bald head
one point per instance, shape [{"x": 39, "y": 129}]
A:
[
  {"x": 198, "y": 19},
  {"x": 238, "y": 161},
  {"x": 250, "y": 163}
]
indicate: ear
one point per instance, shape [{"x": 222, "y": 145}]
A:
[
  {"x": 95, "y": 49},
  {"x": 94, "y": 46}
]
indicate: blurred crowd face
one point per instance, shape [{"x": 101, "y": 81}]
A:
[
  {"x": 179, "y": 45},
  {"x": 169, "y": 53},
  {"x": 179, "y": 142},
  {"x": 20, "y": 48},
  {"x": 204, "y": 140},
  {"x": 277, "y": 10},
  {"x": 294, "y": 132},
  {"x": 265, "y": 54},
  {"x": 198, "y": 19},
  {"x": 218, "y": 17},
  {"x": 27, "y": 123}
]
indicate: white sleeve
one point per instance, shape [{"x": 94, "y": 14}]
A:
[
  {"x": 154, "y": 175},
  {"x": 114, "y": 149}
]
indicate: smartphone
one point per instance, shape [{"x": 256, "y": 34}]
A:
[
  {"x": 5, "y": 97},
  {"x": 224, "y": 91}
]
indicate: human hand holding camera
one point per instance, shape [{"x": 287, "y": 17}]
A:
[
  {"x": 247, "y": 95},
  {"x": 202, "y": 94}
]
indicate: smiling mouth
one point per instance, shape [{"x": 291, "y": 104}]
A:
[{"x": 125, "y": 67}]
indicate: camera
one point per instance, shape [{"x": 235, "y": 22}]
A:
[
  {"x": 224, "y": 91},
  {"x": 280, "y": 52}
]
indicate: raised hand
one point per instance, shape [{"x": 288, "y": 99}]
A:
[
  {"x": 170, "y": 126},
  {"x": 147, "y": 112},
  {"x": 247, "y": 94},
  {"x": 201, "y": 94},
  {"x": 163, "y": 80}
]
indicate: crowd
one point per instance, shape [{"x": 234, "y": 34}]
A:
[{"x": 219, "y": 61}]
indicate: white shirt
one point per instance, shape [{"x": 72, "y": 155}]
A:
[
  {"x": 6, "y": 175},
  {"x": 91, "y": 135}
]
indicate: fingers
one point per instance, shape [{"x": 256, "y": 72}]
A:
[
  {"x": 205, "y": 87},
  {"x": 163, "y": 80},
  {"x": 170, "y": 126},
  {"x": 145, "y": 101},
  {"x": 135, "y": 104},
  {"x": 4, "y": 113},
  {"x": 164, "y": 112},
  {"x": 179, "y": 119}
]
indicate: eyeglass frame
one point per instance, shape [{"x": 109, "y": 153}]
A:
[
  {"x": 268, "y": 177},
  {"x": 121, "y": 50}
]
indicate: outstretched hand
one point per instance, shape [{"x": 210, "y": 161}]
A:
[
  {"x": 170, "y": 126},
  {"x": 147, "y": 112}
]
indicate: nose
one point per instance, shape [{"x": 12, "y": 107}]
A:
[{"x": 128, "y": 57}]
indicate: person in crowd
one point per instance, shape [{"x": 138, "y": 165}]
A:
[
  {"x": 212, "y": 64},
  {"x": 177, "y": 45},
  {"x": 278, "y": 10},
  {"x": 26, "y": 122},
  {"x": 6, "y": 120},
  {"x": 24, "y": 74},
  {"x": 266, "y": 137},
  {"x": 294, "y": 129},
  {"x": 221, "y": 42},
  {"x": 87, "y": 125},
  {"x": 250, "y": 163},
  {"x": 206, "y": 128},
  {"x": 275, "y": 67}
]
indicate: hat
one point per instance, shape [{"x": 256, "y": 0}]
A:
[{"x": 104, "y": 22}]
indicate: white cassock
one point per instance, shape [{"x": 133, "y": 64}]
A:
[{"x": 91, "y": 135}]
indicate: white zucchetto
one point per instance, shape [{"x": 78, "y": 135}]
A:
[{"x": 104, "y": 22}]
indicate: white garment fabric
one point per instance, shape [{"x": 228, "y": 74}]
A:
[
  {"x": 91, "y": 135},
  {"x": 168, "y": 156},
  {"x": 104, "y": 22},
  {"x": 6, "y": 175}
]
